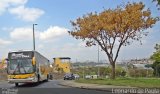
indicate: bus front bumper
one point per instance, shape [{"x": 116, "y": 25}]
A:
[{"x": 28, "y": 80}]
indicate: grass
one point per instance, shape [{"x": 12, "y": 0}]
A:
[{"x": 133, "y": 82}]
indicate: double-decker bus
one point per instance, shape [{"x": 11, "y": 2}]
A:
[{"x": 27, "y": 67}]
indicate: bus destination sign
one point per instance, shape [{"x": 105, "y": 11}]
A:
[{"x": 20, "y": 55}]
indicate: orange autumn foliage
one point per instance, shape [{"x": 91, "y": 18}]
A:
[{"x": 114, "y": 28}]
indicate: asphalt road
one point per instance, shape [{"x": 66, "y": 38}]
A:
[{"x": 51, "y": 87}]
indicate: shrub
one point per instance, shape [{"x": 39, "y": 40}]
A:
[{"x": 140, "y": 72}]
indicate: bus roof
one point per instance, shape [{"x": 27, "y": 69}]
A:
[
  {"x": 62, "y": 57},
  {"x": 27, "y": 51},
  {"x": 22, "y": 51}
]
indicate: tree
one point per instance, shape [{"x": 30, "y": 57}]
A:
[
  {"x": 156, "y": 54},
  {"x": 156, "y": 58},
  {"x": 113, "y": 28},
  {"x": 158, "y": 1},
  {"x": 156, "y": 67}
]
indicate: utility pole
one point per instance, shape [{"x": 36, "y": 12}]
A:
[{"x": 34, "y": 37}]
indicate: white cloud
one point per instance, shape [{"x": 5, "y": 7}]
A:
[
  {"x": 21, "y": 34},
  {"x": 4, "y": 4},
  {"x": 17, "y": 7},
  {"x": 75, "y": 50},
  {"x": 53, "y": 32},
  {"x": 17, "y": 2},
  {"x": 4, "y": 42},
  {"x": 27, "y": 14},
  {"x": 40, "y": 46}
]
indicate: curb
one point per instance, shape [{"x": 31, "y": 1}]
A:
[{"x": 88, "y": 88}]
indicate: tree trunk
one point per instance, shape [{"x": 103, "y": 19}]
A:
[{"x": 113, "y": 71}]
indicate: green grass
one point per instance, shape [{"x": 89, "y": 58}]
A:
[{"x": 133, "y": 82}]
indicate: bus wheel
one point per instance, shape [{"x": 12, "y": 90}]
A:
[
  {"x": 16, "y": 84},
  {"x": 38, "y": 79}
]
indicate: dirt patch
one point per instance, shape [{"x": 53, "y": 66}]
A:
[
  {"x": 58, "y": 75},
  {"x": 3, "y": 74}
]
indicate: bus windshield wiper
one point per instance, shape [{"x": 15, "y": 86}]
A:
[
  {"x": 15, "y": 69},
  {"x": 23, "y": 68}
]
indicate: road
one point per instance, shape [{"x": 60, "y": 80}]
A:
[{"x": 51, "y": 87}]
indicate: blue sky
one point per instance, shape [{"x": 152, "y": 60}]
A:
[{"x": 53, "y": 18}]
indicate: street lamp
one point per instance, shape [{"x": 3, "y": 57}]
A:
[{"x": 34, "y": 37}]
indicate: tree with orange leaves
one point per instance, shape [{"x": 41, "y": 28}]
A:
[
  {"x": 158, "y": 1},
  {"x": 114, "y": 28}
]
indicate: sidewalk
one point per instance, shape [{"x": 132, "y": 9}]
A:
[{"x": 72, "y": 83}]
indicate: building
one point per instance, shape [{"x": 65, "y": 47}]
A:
[
  {"x": 3, "y": 64},
  {"x": 62, "y": 64}
]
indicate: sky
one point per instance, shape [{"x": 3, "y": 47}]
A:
[{"x": 53, "y": 18}]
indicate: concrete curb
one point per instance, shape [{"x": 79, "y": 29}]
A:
[
  {"x": 97, "y": 87},
  {"x": 88, "y": 88}
]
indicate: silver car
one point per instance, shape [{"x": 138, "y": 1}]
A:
[{"x": 76, "y": 76}]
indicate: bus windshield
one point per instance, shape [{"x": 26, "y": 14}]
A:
[{"x": 20, "y": 66}]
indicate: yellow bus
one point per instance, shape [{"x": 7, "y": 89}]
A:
[{"x": 27, "y": 67}]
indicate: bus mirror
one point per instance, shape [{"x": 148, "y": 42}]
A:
[{"x": 33, "y": 61}]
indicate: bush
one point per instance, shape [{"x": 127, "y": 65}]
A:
[
  {"x": 120, "y": 71},
  {"x": 3, "y": 75},
  {"x": 156, "y": 67},
  {"x": 103, "y": 71},
  {"x": 140, "y": 72},
  {"x": 123, "y": 73}
]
